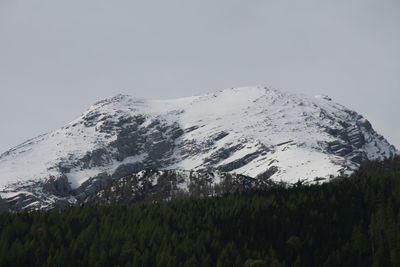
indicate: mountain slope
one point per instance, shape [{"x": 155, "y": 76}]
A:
[
  {"x": 254, "y": 131},
  {"x": 151, "y": 185}
]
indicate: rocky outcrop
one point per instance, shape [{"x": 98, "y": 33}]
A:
[{"x": 152, "y": 185}]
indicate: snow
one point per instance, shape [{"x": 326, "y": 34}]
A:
[
  {"x": 13, "y": 194},
  {"x": 77, "y": 177},
  {"x": 183, "y": 184}
]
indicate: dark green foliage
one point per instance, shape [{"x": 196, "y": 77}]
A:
[{"x": 347, "y": 222}]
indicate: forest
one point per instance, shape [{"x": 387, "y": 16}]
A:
[{"x": 350, "y": 221}]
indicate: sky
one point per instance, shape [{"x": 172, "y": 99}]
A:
[{"x": 59, "y": 57}]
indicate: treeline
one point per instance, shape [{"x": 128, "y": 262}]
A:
[{"x": 347, "y": 222}]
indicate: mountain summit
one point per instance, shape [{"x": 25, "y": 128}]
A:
[{"x": 254, "y": 131}]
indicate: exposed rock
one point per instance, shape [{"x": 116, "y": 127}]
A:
[
  {"x": 268, "y": 173},
  {"x": 236, "y": 164},
  {"x": 59, "y": 187}
]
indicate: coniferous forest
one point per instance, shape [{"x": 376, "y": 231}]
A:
[{"x": 351, "y": 221}]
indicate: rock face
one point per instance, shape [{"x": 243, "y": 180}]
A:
[{"x": 253, "y": 131}]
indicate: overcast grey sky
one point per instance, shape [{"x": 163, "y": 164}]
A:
[{"x": 59, "y": 57}]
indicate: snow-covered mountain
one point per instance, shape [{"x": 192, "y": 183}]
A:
[{"x": 254, "y": 131}]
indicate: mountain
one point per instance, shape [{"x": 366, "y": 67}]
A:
[{"x": 253, "y": 131}]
